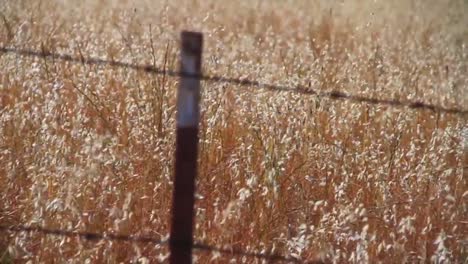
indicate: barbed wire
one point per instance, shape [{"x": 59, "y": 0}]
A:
[
  {"x": 83, "y": 235},
  {"x": 88, "y": 60},
  {"x": 334, "y": 95},
  {"x": 264, "y": 256},
  {"x": 300, "y": 89},
  {"x": 91, "y": 236}
]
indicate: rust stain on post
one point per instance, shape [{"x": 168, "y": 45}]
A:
[{"x": 188, "y": 112}]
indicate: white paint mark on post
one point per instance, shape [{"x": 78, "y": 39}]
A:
[{"x": 189, "y": 91}]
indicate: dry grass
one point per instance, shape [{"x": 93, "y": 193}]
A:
[{"x": 91, "y": 148}]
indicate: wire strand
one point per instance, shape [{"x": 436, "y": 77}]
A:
[
  {"x": 91, "y": 236},
  {"x": 334, "y": 95},
  {"x": 83, "y": 235},
  {"x": 251, "y": 254}
]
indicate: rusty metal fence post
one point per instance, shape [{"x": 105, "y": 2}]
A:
[{"x": 188, "y": 97}]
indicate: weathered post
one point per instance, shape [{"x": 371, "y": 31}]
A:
[{"x": 188, "y": 97}]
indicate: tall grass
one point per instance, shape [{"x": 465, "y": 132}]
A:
[{"x": 91, "y": 148}]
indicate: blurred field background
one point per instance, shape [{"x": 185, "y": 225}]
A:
[{"x": 90, "y": 148}]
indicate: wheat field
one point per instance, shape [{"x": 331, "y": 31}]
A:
[{"x": 90, "y": 148}]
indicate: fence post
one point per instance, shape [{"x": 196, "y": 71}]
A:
[{"x": 188, "y": 97}]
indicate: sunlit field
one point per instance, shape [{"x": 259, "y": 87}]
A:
[{"x": 90, "y": 148}]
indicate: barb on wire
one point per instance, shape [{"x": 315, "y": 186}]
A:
[
  {"x": 83, "y": 235},
  {"x": 334, "y": 95}
]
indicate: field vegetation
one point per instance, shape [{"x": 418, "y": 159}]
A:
[{"x": 90, "y": 148}]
